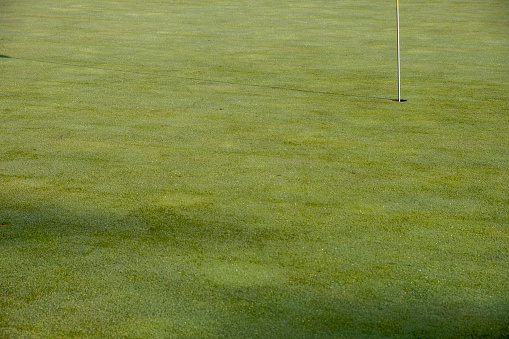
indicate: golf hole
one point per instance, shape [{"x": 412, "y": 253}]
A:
[{"x": 400, "y": 100}]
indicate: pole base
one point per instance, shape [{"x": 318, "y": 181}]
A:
[{"x": 399, "y": 100}]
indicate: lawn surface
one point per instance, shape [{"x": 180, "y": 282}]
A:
[{"x": 237, "y": 169}]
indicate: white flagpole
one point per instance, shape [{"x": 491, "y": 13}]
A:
[{"x": 399, "y": 63}]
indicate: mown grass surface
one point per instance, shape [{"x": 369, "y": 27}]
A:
[{"x": 237, "y": 169}]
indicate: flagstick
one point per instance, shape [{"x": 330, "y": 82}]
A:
[{"x": 399, "y": 64}]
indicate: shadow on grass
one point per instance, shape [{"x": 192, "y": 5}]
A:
[
  {"x": 201, "y": 80},
  {"x": 159, "y": 271}
]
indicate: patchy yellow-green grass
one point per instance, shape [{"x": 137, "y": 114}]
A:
[{"x": 215, "y": 169}]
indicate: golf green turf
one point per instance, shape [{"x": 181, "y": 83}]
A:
[{"x": 238, "y": 169}]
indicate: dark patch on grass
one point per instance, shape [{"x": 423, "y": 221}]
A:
[
  {"x": 160, "y": 257},
  {"x": 166, "y": 225}
]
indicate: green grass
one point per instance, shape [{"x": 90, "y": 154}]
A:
[{"x": 215, "y": 169}]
